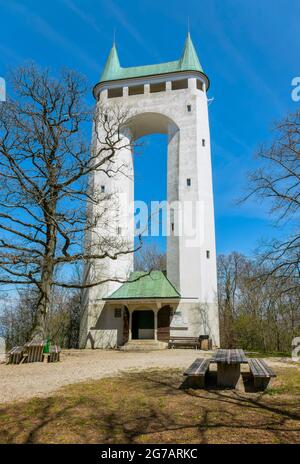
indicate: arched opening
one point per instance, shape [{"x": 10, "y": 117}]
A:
[
  {"x": 150, "y": 123},
  {"x": 153, "y": 133},
  {"x": 150, "y": 184},
  {"x": 143, "y": 325}
]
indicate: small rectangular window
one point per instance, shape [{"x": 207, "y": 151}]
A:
[
  {"x": 203, "y": 142},
  {"x": 102, "y": 188},
  {"x": 119, "y": 230},
  {"x": 113, "y": 93},
  {"x": 136, "y": 90},
  {"x": 158, "y": 87},
  {"x": 118, "y": 312},
  {"x": 189, "y": 108},
  {"x": 172, "y": 226},
  {"x": 188, "y": 182},
  {"x": 207, "y": 254},
  {"x": 199, "y": 85},
  {"x": 178, "y": 85}
]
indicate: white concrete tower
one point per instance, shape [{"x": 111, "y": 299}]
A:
[{"x": 165, "y": 98}]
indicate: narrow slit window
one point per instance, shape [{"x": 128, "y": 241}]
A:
[
  {"x": 189, "y": 182},
  {"x": 102, "y": 188},
  {"x": 113, "y": 93},
  {"x": 203, "y": 142},
  {"x": 207, "y": 254},
  {"x": 136, "y": 90},
  {"x": 189, "y": 108},
  {"x": 172, "y": 226},
  {"x": 118, "y": 312},
  {"x": 158, "y": 87},
  {"x": 181, "y": 84},
  {"x": 119, "y": 230},
  {"x": 199, "y": 85}
]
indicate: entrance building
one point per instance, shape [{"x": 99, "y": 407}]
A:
[{"x": 147, "y": 302}]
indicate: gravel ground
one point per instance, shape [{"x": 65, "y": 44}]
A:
[{"x": 18, "y": 382}]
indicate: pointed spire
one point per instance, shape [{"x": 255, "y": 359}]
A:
[
  {"x": 112, "y": 65},
  {"x": 189, "y": 59}
]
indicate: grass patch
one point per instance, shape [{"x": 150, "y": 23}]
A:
[
  {"x": 150, "y": 407},
  {"x": 268, "y": 354},
  {"x": 287, "y": 383}
]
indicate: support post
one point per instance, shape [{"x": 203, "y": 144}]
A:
[
  {"x": 155, "y": 325},
  {"x": 130, "y": 326}
]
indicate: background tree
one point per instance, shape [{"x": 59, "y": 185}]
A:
[
  {"x": 278, "y": 181},
  {"x": 45, "y": 163},
  {"x": 256, "y": 313},
  {"x": 149, "y": 257},
  {"x": 18, "y": 316},
  {"x": 229, "y": 273}
]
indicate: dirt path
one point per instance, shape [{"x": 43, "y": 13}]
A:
[{"x": 25, "y": 381}]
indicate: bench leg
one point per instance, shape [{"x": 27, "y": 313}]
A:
[
  {"x": 261, "y": 383},
  {"x": 196, "y": 381},
  {"x": 228, "y": 375}
]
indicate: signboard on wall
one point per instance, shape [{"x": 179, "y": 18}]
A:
[{"x": 179, "y": 321}]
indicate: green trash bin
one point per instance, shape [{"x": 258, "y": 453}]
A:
[{"x": 47, "y": 346}]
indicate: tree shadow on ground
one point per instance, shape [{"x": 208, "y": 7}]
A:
[{"x": 151, "y": 406}]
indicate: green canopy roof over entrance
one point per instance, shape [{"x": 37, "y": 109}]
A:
[{"x": 143, "y": 285}]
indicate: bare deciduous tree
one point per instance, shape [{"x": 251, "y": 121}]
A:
[
  {"x": 278, "y": 181},
  {"x": 149, "y": 257},
  {"x": 255, "y": 313},
  {"x": 45, "y": 163}
]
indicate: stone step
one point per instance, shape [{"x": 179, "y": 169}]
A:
[{"x": 144, "y": 345}]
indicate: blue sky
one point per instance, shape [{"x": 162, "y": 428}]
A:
[{"x": 250, "y": 49}]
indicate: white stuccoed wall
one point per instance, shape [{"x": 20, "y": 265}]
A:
[{"x": 187, "y": 265}]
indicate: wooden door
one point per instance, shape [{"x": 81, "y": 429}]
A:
[
  {"x": 125, "y": 325},
  {"x": 163, "y": 324}
]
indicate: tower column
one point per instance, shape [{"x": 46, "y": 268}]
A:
[{"x": 172, "y": 197}]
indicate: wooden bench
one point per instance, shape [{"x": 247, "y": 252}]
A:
[
  {"x": 261, "y": 372},
  {"x": 34, "y": 350},
  {"x": 15, "y": 355},
  {"x": 196, "y": 373},
  {"x": 184, "y": 341}
]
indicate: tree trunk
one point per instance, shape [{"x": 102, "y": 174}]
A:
[{"x": 40, "y": 327}]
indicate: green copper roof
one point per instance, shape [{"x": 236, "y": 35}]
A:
[
  {"x": 145, "y": 285},
  {"x": 188, "y": 62}
]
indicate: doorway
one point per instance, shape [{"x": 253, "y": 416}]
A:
[{"x": 143, "y": 325}]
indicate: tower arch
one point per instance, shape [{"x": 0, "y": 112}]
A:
[{"x": 147, "y": 123}]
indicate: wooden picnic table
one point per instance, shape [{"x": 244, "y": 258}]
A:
[
  {"x": 228, "y": 366},
  {"x": 229, "y": 370}
]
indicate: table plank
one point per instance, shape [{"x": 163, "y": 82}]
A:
[{"x": 236, "y": 356}]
